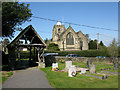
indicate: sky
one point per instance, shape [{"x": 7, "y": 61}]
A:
[{"x": 97, "y": 14}]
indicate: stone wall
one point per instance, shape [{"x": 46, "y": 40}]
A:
[{"x": 84, "y": 59}]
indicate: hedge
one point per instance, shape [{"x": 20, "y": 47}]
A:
[
  {"x": 84, "y": 53},
  {"x": 25, "y": 54}
]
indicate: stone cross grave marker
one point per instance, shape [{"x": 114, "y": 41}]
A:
[
  {"x": 54, "y": 66},
  {"x": 72, "y": 71},
  {"x": 92, "y": 68},
  {"x": 68, "y": 64}
]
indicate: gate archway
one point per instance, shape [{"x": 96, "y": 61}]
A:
[{"x": 30, "y": 39}]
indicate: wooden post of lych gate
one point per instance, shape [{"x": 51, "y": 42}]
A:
[
  {"x": 43, "y": 56},
  {"x": 34, "y": 53},
  {"x": 38, "y": 57},
  {"x": 18, "y": 53},
  {"x": 30, "y": 57}
]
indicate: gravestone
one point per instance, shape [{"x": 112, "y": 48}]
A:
[
  {"x": 89, "y": 62},
  {"x": 54, "y": 66},
  {"x": 72, "y": 71},
  {"x": 68, "y": 64},
  {"x": 83, "y": 70},
  {"x": 115, "y": 65},
  {"x": 92, "y": 68}
]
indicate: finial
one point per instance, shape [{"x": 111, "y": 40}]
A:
[
  {"x": 69, "y": 24},
  {"x": 58, "y": 23}
]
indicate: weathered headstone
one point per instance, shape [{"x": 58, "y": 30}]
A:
[
  {"x": 92, "y": 68},
  {"x": 68, "y": 64},
  {"x": 89, "y": 62},
  {"x": 72, "y": 71},
  {"x": 83, "y": 70},
  {"x": 54, "y": 66},
  {"x": 115, "y": 65}
]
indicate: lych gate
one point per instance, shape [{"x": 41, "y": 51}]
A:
[{"x": 31, "y": 41}]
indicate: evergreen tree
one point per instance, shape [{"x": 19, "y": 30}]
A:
[
  {"x": 101, "y": 43},
  {"x": 4, "y": 44},
  {"x": 92, "y": 44}
]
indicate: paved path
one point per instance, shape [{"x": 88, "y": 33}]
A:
[{"x": 29, "y": 78}]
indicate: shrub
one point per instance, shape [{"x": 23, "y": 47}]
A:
[
  {"x": 53, "y": 47},
  {"x": 49, "y": 60}
]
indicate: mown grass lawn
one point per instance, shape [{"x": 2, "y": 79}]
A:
[{"x": 61, "y": 80}]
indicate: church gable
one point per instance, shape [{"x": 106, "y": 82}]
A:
[
  {"x": 69, "y": 30},
  {"x": 80, "y": 35}
]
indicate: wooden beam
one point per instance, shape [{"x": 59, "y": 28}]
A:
[
  {"x": 37, "y": 45},
  {"x": 18, "y": 53}
]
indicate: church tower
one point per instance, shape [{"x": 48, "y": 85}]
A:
[{"x": 57, "y": 30}]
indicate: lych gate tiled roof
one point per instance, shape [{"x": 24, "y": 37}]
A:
[{"x": 30, "y": 33}]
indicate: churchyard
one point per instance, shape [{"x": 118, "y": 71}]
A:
[{"x": 95, "y": 75}]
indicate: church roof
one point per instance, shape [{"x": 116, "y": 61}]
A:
[
  {"x": 62, "y": 33},
  {"x": 66, "y": 31},
  {"x": 80, "y": 34},
  {"x": 71, "y": 29}
]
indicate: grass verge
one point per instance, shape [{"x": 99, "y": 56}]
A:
[{"x": 4, "y": 75}]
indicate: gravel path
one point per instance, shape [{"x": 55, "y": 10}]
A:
[{"x": 28, "y": 78}]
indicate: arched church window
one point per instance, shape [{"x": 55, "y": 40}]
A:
[
  {"x": 69, "y": 39},
  {"x": 58, "y": 30}
]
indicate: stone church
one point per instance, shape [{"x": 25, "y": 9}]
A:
[{"x": 68, "y": 39}]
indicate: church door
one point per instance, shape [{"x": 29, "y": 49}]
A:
[{"x": 81, "y": 45}]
